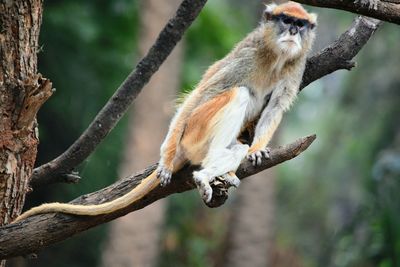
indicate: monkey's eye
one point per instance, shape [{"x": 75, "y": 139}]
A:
[
  {"x": 287, "y": 20},
  {"x": 300, "y": 23}
]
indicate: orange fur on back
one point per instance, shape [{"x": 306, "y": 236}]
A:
[{"x": 294, "y": 10}]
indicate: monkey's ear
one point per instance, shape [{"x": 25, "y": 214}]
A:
[
  {"x": 313, "y": 18},
  {"x": 269, "y": 9}
]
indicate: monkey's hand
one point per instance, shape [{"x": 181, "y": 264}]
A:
[
  {"x": 256, "y": 155},
  {"x": 164, "y": 174}
]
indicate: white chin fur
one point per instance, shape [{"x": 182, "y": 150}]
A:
[{"x": 289, "y": 45}]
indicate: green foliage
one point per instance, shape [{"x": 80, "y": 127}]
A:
[{"x": 211, "y": 37}]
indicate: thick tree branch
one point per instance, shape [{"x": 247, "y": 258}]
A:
[
  {"x": 386, "y": 10},
  {"x": 38, "y": 232},
  {"x": 107, "y": 118},
  {"x": 340, "y": 53}
]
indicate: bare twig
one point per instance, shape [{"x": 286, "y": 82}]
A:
[
  {"x": 107, "y": 118},
  {"x": 38, "y": 232},
  {"x": 386, "y": 10}
]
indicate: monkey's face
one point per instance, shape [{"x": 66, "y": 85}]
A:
[{"x": 292, "y": 34}]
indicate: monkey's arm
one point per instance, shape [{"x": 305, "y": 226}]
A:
[{"x": 281, "y": 99}]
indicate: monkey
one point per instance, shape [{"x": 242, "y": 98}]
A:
[{"x": 268, "y": 63}]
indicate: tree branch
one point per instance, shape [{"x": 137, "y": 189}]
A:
[
  {"x": 38, "y": 232},
  {"x": 117, "y": 105},
  {"x": 387, "y": 10},
  {"x": 339, "y": 54}
]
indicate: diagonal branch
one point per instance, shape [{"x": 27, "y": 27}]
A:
[
  {"x": 118, "y": 104},
  {"x": 40, "y": 231},
  {"x": 386, "y": 10}
]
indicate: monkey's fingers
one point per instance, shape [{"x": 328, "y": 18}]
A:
[
  {"x": 231, "y": 179},
  {"x": 164, "y": 175},
  {"x": 257, "y": 156}
]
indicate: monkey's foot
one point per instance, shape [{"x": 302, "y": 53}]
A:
[
  {"x": 164, "y": 174},
  {"x": 203, "y": 186},
  {"x": 372, "y": 4},
  {"x": 231, "y": 179},
  {"x": 257, "y": 156},
  {"x": 220, "y": 192}
]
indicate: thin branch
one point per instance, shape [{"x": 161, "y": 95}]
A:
[
  {"x": 386, "y": 10},
  {"x": 38, "y": 232},
  {"x": 117, "y": 105}
]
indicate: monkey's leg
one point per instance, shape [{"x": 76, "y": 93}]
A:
[
  {"x": 219, "y": 162},
  {"x": 224, "y": 154},
  {"x": 169, "y": 151}
]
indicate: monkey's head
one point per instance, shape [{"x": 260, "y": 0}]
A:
[{"x": 293, "y": 28}]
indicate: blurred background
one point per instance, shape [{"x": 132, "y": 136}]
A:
[{"x": 334, "y": 205}]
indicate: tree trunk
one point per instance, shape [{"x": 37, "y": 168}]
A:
[
  {"x": 22, "y": 92},
  {"x": 134, "y": 239}
]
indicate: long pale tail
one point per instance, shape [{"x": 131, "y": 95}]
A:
[{"x": 137, "y": 193}]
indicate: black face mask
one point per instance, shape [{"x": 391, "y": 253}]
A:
[{"x": 291, "y": 24}]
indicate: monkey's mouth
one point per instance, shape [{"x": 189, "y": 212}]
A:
[{"x": 289, "y": 41}]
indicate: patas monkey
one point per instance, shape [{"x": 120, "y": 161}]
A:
[{"x": 231, "y": 94}]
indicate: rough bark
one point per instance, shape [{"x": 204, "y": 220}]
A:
[
  {"x": 134, "y": 239},
  {"x": 118, "y": 104},
  {"x": 37, "y": 232},
  {"x": 386, "y": 10},
  {"x": 22, "y": 92}
]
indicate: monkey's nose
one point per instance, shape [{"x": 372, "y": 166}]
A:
[{"x": 293, "y": 30}]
